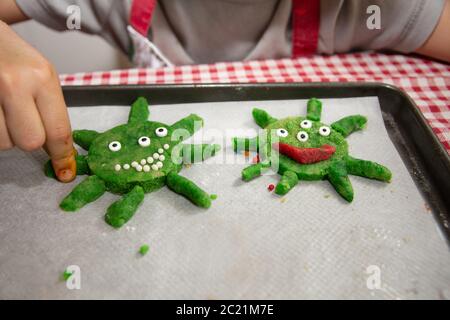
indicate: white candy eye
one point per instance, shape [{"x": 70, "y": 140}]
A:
[
  {"x": 144, "y": 141},
  {"x": 161, "y": 132},
  {"x": 324, "y": 131},
  {"x": 306, "y": 124},
  {"x": 114, "y": 146},
  {"x": 282, "y": 133},
  {"x": 302, "y": 136}
]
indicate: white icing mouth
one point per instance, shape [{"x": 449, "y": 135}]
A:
[{"x": 154, "y": 162}]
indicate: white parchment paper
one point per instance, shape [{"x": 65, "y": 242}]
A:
[{"x": 250, "y": 244}]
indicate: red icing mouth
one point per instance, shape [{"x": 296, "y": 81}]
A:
[{"x": 305, "y": 155}]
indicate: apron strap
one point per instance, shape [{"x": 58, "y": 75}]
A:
[
  {"x": 141, "y": 15},
  {"x": 305, "y": 27}
]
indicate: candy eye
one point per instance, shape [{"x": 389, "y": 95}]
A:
[
  {"x": 324, "y": 131},
  {"x": 114, "y": 146},
  {"x": 302, "y": 136},
  {"x": 144, "y": 141},
  {"x": 282, "y": 133},
  {"x": 306, "y": 124},
  {"x": 161, "y": 132}
]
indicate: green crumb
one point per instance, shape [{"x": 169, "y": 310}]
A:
[
  {"x": 326, "y": 196},
  {"x": 66, "y": 275},
  {"x": 144, "y": 249},
  {"x": 213, "y": 196}
]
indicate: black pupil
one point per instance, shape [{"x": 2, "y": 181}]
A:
[
  {"x": 324, "y": 129},
  {"x": 144, "y": 139},
  {"x": 302, "y": 136},
  {"x": 161, "y": 130},
  {"x": 114, "y": 145}
]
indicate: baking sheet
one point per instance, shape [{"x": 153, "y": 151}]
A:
[{"x": 250, "y": 244}]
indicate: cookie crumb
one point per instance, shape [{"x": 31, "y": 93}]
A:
[
  {"x": 144, "y": 249},
  {"x": 66, "y": 275}
]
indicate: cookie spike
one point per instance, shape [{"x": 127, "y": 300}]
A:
[
  {"x": 193, "y": 153},
  {"x": 349, "y": 124},
  {"x": 288, "y": 181},
  {"x": 89, "y": 190},
  {"x": 368, "y": 169},
  {"x": 314, "y": 109},
  {"x": 186, "y": 127},
  {"x": 188, "y": 189},
  {"x": 253, "y": 171},
  {"x": 84, "y": 138},
  {"x": 139, "y": 111},
  {"x": 246, "y": 144},
  {"x": 123, "y": 210},
  {"x": 338, "y": 177},
  {"x": 262, "y": 118}
]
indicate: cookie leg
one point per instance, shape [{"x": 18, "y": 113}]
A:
[
  {"x": 188, "y": 189},
  {"x": 338, "y": 177},
  {"x": 89, "y": 190},
  {"x": 368, "y": 169},
  {"x": 288, "y": 181},
  {"x": 245, "y": 144},
  {"x": 193, "y": 153},
  {"x": 122, "y": 210},
  {"x": 253, "y": 171}
]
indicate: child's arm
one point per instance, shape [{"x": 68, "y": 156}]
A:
[
  {"x": 33, "y": 113},
  {"x": 438, "y": 44}
]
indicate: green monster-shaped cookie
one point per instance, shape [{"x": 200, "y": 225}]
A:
[
  {"x": 136, "y": 158},
  {"x": 303, "y": 148}
]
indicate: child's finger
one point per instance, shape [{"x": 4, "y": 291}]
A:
[
  {"x": 59, "y": 143},
  {"x": 23, "y": 122},
  {"x": 5, "y": 140}
]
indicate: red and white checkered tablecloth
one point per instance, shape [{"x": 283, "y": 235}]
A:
[{"x": 427, "y": 82}]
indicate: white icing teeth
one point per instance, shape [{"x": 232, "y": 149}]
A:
[{"x": 148, "y": 164}]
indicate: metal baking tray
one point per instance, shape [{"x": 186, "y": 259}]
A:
[{"x": 424, "y": 156}]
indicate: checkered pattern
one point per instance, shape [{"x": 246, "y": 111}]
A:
[{"x": 427, "y": 82}]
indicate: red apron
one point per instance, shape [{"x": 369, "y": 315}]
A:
[{"x": 305, "y": 31}]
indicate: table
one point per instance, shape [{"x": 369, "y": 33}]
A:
[{"x": 426, "y": 81}]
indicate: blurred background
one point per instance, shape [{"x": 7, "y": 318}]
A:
[{"x": 72, "y": 51}]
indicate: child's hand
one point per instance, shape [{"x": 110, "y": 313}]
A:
[{"x": 33, "y": 113}]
